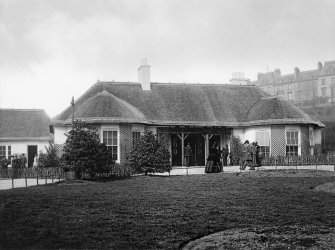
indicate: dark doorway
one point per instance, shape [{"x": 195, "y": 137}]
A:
[
  {"x": 32, "y": 151},
  {"x": 197, "y": 143},
  {"x": 176, "y": 150}
]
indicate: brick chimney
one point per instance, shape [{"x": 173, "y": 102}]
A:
[
  {"x": 277, "y": 75},
  {"x": 144, "y": 74},
  {"x": 297, "y": 73},
  {"x": 319, "y": 66}
]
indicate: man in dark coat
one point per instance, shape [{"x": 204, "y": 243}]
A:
[
  {"x": 188, "y": 153},
  {"x": 23, "y": 161},
  {"x": 216, "y": 155},
  {"x": 247, "y": 156},
  {"x": 225, "y": 154}
]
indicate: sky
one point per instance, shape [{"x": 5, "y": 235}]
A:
[{"x": 51, "y": 50}]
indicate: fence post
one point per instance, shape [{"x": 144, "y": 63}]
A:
[
  {"x": 52, "y": 178},
  {"x": 12, "y": 182},
  {"x": 26, "y": 180},
  {"x": 37, "y": 179},
  {"x": 296, "y": 163}
]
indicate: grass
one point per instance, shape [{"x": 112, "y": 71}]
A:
[{"x": 156, "y": 212}]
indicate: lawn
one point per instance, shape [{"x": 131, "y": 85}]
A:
[{"x": 157, "y": 212}]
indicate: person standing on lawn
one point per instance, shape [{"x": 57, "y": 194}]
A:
[
  {"x": 258, "y": 157},
  {"x": 216, "y": 154},
  {"x": 35, "y": 164},
  {"x": 254, "y": 155},
  {"x": 225, "y": 153},
  {"x": 23, "y": 161},
  {"x": 247, "y": 157},
  {"x": 188, "y": 154}
]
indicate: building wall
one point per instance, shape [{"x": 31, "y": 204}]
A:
[
  {"x": 126, "y": 141},
  {"x": 278, "y": 144},
  {"x": 305, "y": 142},
  {"x": 22, "y": 147},
  {"x": 277, "y": 137},
  {"x": 59, "y": 134},
  {"x": 239, "y": 133},
  {"x": 317, "y": 141},
  {"x": 275, "y": 133}
]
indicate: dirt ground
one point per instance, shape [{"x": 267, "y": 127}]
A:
[{"x": 286, "y": 237}]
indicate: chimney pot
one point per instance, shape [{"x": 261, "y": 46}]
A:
[{"x": 144, "y": 74}]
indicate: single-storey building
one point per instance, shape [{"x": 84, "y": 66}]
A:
[
  {"x": 199, "y": 114},
  {"x": 24, "y": 131}
]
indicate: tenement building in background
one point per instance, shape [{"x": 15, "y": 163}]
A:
[
  {"x": 199, "y": 114},
  {"x": 314, "y": 87}
]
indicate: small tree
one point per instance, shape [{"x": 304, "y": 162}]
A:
[
  {"x": 236, "y": 151},
  {"x": 149, "y": 155},
  {"x": 83, "y": 151},
  {"x": 50, "y": 159}
]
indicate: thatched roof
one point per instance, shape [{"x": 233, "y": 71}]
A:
[
  {"x": 183, "y": 104},
  {"x": 24, "y": 124}
]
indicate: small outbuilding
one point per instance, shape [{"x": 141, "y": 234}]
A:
[{"x": 24, "y": 131}]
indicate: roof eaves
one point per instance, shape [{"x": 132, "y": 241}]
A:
[{"x": 14, "y": 139}]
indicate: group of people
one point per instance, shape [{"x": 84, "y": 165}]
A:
[
  {"x": 215, "y": 155},
  {"x": 251, "y": 156},
  {"x": 21, "y": 161}
]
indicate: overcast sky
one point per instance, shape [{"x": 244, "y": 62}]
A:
[{"x": 52, "y": 50}]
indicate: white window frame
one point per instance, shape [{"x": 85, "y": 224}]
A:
[
  {"x": 293, "y": 129},
  {"x": 112, "y": 128},
  {"x": 9, "y": 146},
  {"x": 133, "y": 132},
  {"x": 4, "y": 151},
  {"x": 137, "y": 129},
  {"x": 264, "y": 131}
]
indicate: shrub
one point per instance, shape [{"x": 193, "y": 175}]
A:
[
  {"x": 49, "y": 159},
  {"x": 4, "y": 163},
  {"x": 149, "y": 155},
  {"x": 236, "y": 151},
  {"x": 83, "y": 152}
]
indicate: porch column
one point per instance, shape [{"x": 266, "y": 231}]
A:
[
  {"x": 170, "y": 147},
  {"x": 182, "y": 148},
  {"x": 206, "y": 146}
]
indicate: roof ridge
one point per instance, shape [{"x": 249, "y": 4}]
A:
[
  {"x": 118, "y": 82},
  {"x": 201, "y": 84},
  {"x": 21, "y": 109}
]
